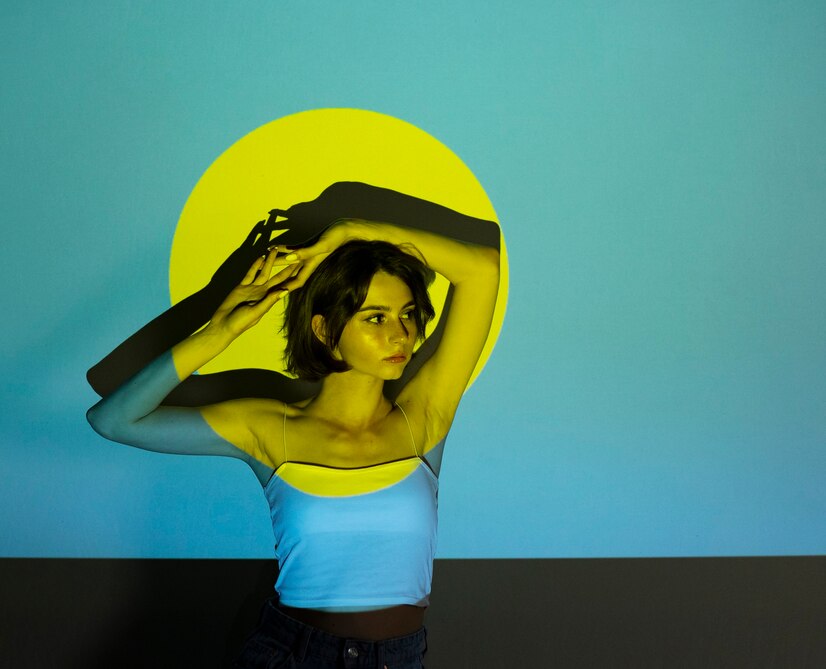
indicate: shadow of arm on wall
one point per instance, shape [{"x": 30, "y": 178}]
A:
[{"x": 304, "y": 223}]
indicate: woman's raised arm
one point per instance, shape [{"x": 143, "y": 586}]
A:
[
  {"x": 473, "y": 272},
  {"x": 305, "y": 222},
  {"x": 132, "y": 414}
]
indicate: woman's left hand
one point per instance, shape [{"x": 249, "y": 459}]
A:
[{"x": 254, "y": 296}]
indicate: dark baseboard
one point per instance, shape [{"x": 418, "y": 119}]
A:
[{"x": 485, "y": 614}]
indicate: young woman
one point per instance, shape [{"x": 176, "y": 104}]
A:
[{"x": 349, "y": 474}]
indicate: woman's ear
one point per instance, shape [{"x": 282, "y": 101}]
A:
[{"x": 319, "y": 328}]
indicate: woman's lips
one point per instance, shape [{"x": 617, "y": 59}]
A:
[{"x": 396, "y": 358}]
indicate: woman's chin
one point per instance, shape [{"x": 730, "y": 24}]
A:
[{"x": 396, "y": 368}]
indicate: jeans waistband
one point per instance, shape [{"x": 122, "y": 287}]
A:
[{"x": 307, "y": 641}]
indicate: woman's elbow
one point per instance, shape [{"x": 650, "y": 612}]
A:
[
  {"x": 488, "y": 261},
  {"x": 104, "y": 426}
]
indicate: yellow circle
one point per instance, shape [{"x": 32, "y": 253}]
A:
[{"x": 293, "y": 159}]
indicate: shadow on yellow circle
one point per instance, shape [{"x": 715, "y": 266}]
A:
[{"x": 291, "y": 160}]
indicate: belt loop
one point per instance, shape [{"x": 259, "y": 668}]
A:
[
  {"x": 380, "y": 655},
  {"x": 303, "y": 642}
]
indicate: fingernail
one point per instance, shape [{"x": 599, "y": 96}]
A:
[{"x": 291, "y": 256}]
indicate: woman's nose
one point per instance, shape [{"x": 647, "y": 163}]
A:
[{"x": 400, "y": 332}]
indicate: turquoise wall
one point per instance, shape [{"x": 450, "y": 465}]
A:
[{"x": 659, "y": 171}]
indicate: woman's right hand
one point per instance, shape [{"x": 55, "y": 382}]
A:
[
  {"x": 308, "y": 258},
  {"x": 251, "y": 299}
]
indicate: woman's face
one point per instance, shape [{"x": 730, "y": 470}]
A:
[{"x": 378, "y": 340}]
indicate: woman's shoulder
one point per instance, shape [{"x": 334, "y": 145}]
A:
[
  {"x": 250, "y": 424},
  {"x": 294, "y": 409},
  {"x": 248, "y": 410}
]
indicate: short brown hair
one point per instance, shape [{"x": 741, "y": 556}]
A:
[{"x": 336, "y": 290}]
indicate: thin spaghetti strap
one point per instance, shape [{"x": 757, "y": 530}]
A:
[
  {"x": 410, "y": 429},
  {"x": 285, "y": 431}
]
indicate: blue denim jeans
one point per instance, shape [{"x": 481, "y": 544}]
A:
[{"x": 282, "y": 642}]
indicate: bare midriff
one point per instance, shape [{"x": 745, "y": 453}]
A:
[{"x": 375, "y": 625}]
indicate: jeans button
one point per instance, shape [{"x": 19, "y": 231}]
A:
[{"x": 352, "y": 651}]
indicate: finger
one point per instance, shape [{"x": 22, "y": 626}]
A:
[
  {"x": 251, "y": 311},
  {"x": 264, "y": 273},
  {"x": 303, "y": 274},
  {"x": 281, "y": 248},
  {"x": 278, "y": 248},
  {"x": 284, "y": 273},
  {"x": 281, "y": 264},
  {"x": 252, "y": 271},
  {"x": 260, "y": 308}
]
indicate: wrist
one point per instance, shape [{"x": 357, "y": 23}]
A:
[
  {"x": 359, "y": 229},
  {"x": 213, "y": 337},
  {"x": 198, "y": 349},
  {"x": 346, "y": 230}
]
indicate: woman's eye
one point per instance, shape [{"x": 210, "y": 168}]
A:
[
  {"x": 407, "y": 315},
  {"x": 377, "y": 319}
]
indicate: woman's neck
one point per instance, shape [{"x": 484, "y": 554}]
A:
[{"x": 354, "y": 401}]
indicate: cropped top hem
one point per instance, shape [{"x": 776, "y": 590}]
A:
[{"x": 350, "y": 603}]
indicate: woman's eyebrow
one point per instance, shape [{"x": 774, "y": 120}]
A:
[{"x": 381, "y": 307}]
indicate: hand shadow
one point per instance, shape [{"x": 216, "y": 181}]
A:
[{"x": 304, "y": 223}]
